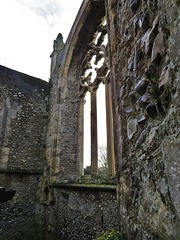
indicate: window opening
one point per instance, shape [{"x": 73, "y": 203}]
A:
[
  {"x": 95, "y": 89},
  {"x": 87, "y": 135},
  {"x": 102, "y": 133}
]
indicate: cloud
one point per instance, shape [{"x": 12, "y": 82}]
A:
[
  {"x": 28, "y": 29},
  {"x": 47, "y": 9},
  {"x": 53, "y": 11}
]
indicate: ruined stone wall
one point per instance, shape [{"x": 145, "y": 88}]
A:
[
  {"x": 71, "y": 210},
  {"x": 80, "y": 213},
  {"x": 62, "y": 140},
  {"x": 144, "y": 54},
  {"x": 23, "y": 122},
  {"x": 66, "y": 114},
  {"x": 26, "y": 104}
]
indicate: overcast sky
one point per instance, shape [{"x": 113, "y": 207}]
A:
[{"x": 28, "y": 29}]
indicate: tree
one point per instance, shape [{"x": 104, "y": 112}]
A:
[{"x": 102, "y": 160}]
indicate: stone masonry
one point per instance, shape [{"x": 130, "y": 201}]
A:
[
  {"x": 24, "y": 104},
  {"x": 144, "y": 51}
]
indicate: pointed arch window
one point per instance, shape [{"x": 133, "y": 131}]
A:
[{"x": 95, "y": 73}]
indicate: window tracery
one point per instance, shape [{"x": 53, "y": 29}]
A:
[{"x": 95, "y": 71}]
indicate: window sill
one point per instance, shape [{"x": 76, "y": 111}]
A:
[{"x": 85, "y": 187}]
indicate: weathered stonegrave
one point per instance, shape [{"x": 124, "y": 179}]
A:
[{"x": 42, "y": 133}]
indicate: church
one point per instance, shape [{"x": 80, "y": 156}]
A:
[{"x": 132, "y": 49}]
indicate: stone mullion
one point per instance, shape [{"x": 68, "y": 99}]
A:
[
  {"x": 94, "y": 140},
  {"x": 110, "y": 136},
  {"x": 81, "y": 136}
]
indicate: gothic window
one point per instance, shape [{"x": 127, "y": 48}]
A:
[{"x": 95, "y": 73}]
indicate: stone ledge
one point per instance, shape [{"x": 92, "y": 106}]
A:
[
  {"x": 21, "y": 171},
  {"x": 102, "y": 179},
  {"x": 88, "y": 187}
]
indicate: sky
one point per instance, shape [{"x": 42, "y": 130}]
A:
[
  {"x": 28, "y": 29},
  {"x": 101, "y": 122}
]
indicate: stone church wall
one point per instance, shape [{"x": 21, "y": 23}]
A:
[
  {"x": 62, "y": 139},
  {"x": 26, "y": 103},
  {"x": 72, "y": 210},
  {"x": 77, "y": 212},
  {"x": 144, "y": 69},
  {"x": 20, "y": 217},
  {"x": 23, "y": 122},
  {"x": 144, "y": 51},
  {"x": 66, "y": 114}
]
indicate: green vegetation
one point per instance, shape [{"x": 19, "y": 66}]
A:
[{"x": 111, "y": 235}]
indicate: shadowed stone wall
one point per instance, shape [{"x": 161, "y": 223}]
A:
[
  {"x": 25, "y": 101},
  {"x": 80, "y": 213},
  {"x": 144, "y": 54},
  {"x": 23, "y": 122},
  {"x": 20, "y": 217}
]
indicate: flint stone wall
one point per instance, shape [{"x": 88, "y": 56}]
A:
[
  {"x": 144, "y": 52},
  {"x": 24, "y": 116},
  {"x": 26, "y": 108},
  {"x": 20, "y": 217},
  {"x": 80, "y": 213}
]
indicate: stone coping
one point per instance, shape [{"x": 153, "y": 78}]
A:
[{"x": 94, "y": 187}]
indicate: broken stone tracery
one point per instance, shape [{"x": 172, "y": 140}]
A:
[{"x": 95, "y": 71}]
